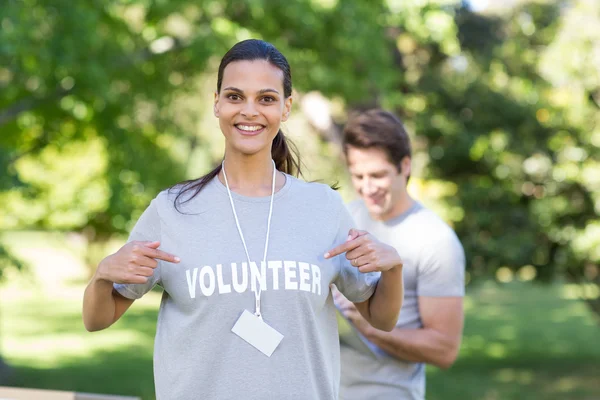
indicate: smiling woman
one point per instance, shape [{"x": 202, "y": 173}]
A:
[
  {"x": 251, "y": 108},
  {"x": 253, "y": 98},
  {"x": 246, "y": 259}
]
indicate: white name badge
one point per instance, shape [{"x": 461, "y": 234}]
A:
[{"x": 257, "y": 332}]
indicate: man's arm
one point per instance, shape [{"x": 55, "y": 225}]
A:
[
  {"x": 440, "y": 282},
  {"x": 437, "y": 342}
]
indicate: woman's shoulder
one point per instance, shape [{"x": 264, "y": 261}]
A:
[
  {"x": 169, "y": 194},
  {"x": 316, "y": 191},
  {"x": 162, "y": 201},
  {"x": 182, "y": 196}
]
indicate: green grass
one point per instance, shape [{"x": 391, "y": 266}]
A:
[
  {"x": 521, "y": 341},
  {"x": 44, "y": 341}
]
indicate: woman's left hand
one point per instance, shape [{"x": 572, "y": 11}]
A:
[{"x": 367, "y": 253}]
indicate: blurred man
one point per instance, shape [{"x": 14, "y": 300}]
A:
[{"x": 429, "y": 330}]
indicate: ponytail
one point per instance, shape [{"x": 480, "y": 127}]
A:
[
  {"x": 286, "y": 155},
  {"x": 283, "y": 151}
]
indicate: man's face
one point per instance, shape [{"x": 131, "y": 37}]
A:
[{"x": 377, "y": 181}]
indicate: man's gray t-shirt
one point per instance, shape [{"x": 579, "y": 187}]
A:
[
  {"x": 196, "y": 356},
  {"x": 434, "y": 265}
]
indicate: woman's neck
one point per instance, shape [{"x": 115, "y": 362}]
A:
[{"x": 250, "y": 175}]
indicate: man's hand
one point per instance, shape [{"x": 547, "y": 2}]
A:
[
  {"x": 367, "y": 253},
  {"x": 349, "y": 310},
  {"x": 133, "y": 263}
]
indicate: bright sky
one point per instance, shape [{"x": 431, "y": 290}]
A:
[{"x": 478, "y": 5}]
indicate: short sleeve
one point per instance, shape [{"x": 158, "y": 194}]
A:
[
  {"x": 147, "y": 228},
  {"x": 442, "y": 271},
  {"x": 353, "y": 284}
]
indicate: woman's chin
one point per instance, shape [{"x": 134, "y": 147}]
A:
[
  {"x": 248, "y": 149},
  {"x": 249, "y": 145}
]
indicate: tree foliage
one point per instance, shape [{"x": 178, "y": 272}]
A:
[
  {"x": 513, "y": 123},
  {"x": 94, "y": 116}
]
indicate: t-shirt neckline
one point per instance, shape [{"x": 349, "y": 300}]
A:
[
  {"x": 416, "y": 206},
  {"x": 252, "y": 199}
]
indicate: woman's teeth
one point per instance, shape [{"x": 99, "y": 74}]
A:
[{"x": 249, "y": 128}]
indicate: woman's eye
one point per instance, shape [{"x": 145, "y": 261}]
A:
[
  {"x": 233, "y": 97},
  {"x": 268, "y": 99}
]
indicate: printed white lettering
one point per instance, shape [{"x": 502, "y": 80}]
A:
[
  {"x": 256, "y": 275},
  {"x": 192, "y": 282},
  {"x": 304, "y": 276},
  {"x": 209, "y": 289},
  {"x": 316, "y": 279},
  {"x": 290, "y": 273},
  {"x": 275, "y": 266},
  {"x": 237, "y": 286},
  {"x": 223, "y": 288}
]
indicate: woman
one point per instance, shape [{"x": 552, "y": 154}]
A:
[{"x": 247, "y": 311}]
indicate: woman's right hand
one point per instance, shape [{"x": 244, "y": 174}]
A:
[{"x": 133, "y": 263}]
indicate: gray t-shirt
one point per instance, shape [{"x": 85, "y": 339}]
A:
[
  {"x": 434, "y": 265},
  {"x": 196, "y": 356}
]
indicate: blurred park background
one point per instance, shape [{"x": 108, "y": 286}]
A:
[{"x": 105, "y": 103}]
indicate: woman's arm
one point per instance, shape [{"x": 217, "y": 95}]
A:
[
  {"x": 368, "y": 254},
  {"x": 102, "y": 305},
  {"x": 134, "y": 263},
  {"x": 382, "y": 309}
]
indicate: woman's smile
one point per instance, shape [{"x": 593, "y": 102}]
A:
[{"x": 248, "y": 129}]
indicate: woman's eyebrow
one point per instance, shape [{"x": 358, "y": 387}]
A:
[
  {"x": 234, "y": 89},
  {"x": 262, "y": 91}
]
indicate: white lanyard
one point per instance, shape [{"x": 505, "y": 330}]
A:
[{"x": 237, "y": 222}]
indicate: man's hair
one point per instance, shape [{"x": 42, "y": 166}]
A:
[{"x": 378, "y": 129}]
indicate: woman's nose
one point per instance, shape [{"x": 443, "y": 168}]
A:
[{"x": 249, "y": 110}]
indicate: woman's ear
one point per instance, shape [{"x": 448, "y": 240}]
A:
[
  {"x": 216, "y": 105},
  {"x": 287, "y": 107}
]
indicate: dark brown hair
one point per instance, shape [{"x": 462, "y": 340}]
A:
[
  {"x": 283, "y": 151},
  {"x": 378, "y": 129}
]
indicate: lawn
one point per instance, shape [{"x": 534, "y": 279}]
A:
[{"x": 521, "y": 341}]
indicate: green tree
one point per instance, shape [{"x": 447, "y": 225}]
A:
[
  {"x": 96, "y": 119},
  {"x": 89, "y": 108},
  {"x": 569, "y": 63},
  {"x": 513, "y": 122}
]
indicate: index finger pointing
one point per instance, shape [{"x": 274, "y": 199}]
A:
[
  {"x": 355, "y": 234},
  {"x": 161, "y": 255},
  {"x": 342, "y": 248}
]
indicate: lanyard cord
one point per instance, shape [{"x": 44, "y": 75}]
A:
[{"x": 258, "y": 292}]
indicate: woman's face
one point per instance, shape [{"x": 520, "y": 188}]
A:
[{"x": 251, "y": 105}]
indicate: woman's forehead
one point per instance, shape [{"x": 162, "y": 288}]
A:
[{"x": 252, "y": 76}]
